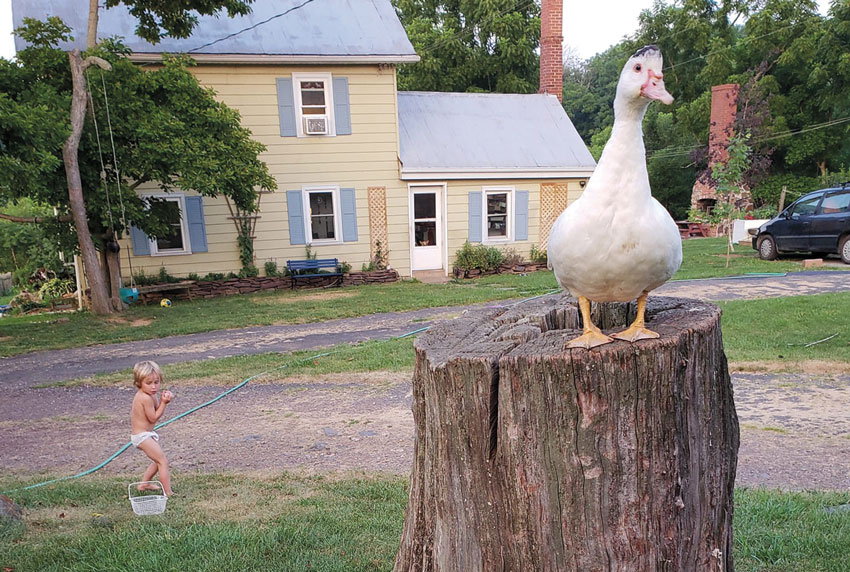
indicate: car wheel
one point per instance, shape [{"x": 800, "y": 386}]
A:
[
  {"x": 767, "y": 248},
  {"x": 844, "y": 250}
]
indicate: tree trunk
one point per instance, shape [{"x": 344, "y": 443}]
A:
[
  {"x": 112, "y": 263},
  {"x": 532, "y": 457},
  {"x": 94, "y": 272}
]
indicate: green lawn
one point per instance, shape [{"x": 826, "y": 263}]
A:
[
  {"x": 706, "y": 258},
  {"x": 290, "y": 522},
  {"x": 778, "y": 329},
  {"x": 703, "y": 259}
]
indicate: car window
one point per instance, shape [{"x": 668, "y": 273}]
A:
[
  {"x": 836, "y": 203},
  {"x": 807, "y": 207}
]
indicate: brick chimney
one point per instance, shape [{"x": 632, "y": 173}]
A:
[
  {"x": 724, "y": 107},
  {"x": 551, "y": 50}
]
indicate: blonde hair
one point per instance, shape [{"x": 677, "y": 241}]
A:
[{"x": 145, "y": 369}]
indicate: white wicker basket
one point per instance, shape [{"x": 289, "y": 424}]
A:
[{"x": 145, "y": 504}]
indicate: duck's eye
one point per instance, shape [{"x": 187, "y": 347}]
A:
[{"x": 638, "y": 67}]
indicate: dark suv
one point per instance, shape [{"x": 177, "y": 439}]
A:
[{"x": 818, "y": 222}]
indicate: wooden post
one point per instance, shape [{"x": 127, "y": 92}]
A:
[
  {"x": 782, "y": 198},
  {"x": 532, "y": 457}
]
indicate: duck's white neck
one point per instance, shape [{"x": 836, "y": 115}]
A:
[{"x": 623, "y": 161}]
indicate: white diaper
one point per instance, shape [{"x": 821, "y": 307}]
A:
[{"x": 140, "y": 438}]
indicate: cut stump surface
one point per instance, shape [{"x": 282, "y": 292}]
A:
[{"x": 530, "y": 456}]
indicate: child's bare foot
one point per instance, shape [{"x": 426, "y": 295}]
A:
[{"x": 148, "y": 487}]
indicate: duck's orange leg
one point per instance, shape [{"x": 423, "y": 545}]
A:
[
  {"x": 592, "y": 335},
  {"x": 637, "y": 331}
]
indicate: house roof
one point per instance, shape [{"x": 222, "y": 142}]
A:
[
  {"x": 485, "y": 135},
  {"x": 298, "y": 31}
]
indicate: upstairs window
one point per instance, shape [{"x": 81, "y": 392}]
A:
[{"x": 313, "y": 104}]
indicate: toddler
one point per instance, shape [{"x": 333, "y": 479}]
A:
[{"x": 147, "y": 410}]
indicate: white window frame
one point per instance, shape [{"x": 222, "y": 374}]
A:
[
  {"x": 511, "y": 192},
  {"x": 327, "y": 78},
  {"x": 180, "y": 199},
  {"x": 308, "y": 221}
]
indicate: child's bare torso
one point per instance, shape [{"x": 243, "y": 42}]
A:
[{"x": 138, "y": 418}]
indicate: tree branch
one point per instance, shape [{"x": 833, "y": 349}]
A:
[
  {"x": 99, "y": 62},
  {"x": 35, "y": 219}
]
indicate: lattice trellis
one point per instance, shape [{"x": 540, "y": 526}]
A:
[
  {"x": 378, "y": 218},
  {"x": 553, "y": 201}
]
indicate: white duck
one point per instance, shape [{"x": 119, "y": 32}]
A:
[{"x": 616, "y": 242}]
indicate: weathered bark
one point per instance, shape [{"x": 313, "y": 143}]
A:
[
  {"x": 94, "y": 272},
  {"x": 532, "y": 457},
  {"x": 112, "y": 263}
]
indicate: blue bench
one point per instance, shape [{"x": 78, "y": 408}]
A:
[{"x": 311, "y": 269}]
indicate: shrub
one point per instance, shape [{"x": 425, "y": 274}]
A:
[
  {"x": 537, "y": 255},
  {"x": 213, "y": 276},
  {"x": 194, "y": 276},
  {"x": 249, "y": 271},
  {"x": 271, "y": 269},
  {"x": 55, "y": 288},
  {"x": 478, "y": 257},
  {"x": 512, "y": 257},
  {"x": 769, "y": 190},
  {"x": 344, "y": 267},
  {"x": 368, "y": 267}
]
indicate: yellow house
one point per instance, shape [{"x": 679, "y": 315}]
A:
[{"x": 357, "y": 163}]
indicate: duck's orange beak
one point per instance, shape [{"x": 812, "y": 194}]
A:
[{"x": 654, "y": 88}]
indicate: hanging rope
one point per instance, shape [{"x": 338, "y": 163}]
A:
[
  {"x": 117, "y": 174},
  {"x": 100, "y": 155}
]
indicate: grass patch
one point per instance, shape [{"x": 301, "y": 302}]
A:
[
  {"x": 389, "y": 355},
  {"x": 221, "y": 522},
  {"x": 778, "y": 329},
  {"x": 706, "y": 258},
  {"x": 330, "y": 523}
]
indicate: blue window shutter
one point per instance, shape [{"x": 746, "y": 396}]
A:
[
  {"x": 521, "y": 216},
  {"x": 349, "y": 214},
  {"x": 475, "y": 224},
  {"x": 342, "y": 109},
  {"x": 197, "y": 227},
  {"x": 295, "y": 209},
  {"x": 286, "y": 107},
  {"x": 141, "y": 243}
]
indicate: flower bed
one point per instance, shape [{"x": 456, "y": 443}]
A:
[{"x": 233, "y": 286}]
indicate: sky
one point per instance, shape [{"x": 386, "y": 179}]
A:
[{"x": 589, "y": 27}]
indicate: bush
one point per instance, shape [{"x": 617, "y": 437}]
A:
[
  {"x": 271, "y": 269},
  {"x": 55, "y": 288},
  {"x": 368, "y": 267},
  {"x": 194, "y": 276},
  {"x": 512, "y": 257},
  {"x": 478, "y": 257},
  {"x": 344, "y": 267},
  {"x": 212, "y": 276},
  {"x": 538, "y": 256},
  {"x": 249, "y": 271},
  {"x": 768, "y": 191}
]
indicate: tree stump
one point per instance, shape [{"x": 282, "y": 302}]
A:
[{"x": 531, "y": 457}]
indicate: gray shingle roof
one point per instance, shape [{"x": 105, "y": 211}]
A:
[
  {"x": 495, "y": 133},
  {"x": 320, "y": 28}
]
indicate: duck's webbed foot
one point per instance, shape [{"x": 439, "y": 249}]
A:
[
  {"x": 589, "y": 339},
  {"x": 592, "y": 335},
  {"x": 634, "y": 333},
  {"x": 638, "y": 330}
]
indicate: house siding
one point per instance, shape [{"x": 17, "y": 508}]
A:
[
  {"x": 367, "y": 157},
  {"x": 458, "y": 211}
]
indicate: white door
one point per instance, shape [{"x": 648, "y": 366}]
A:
[{"x": 427, "y": 228}]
